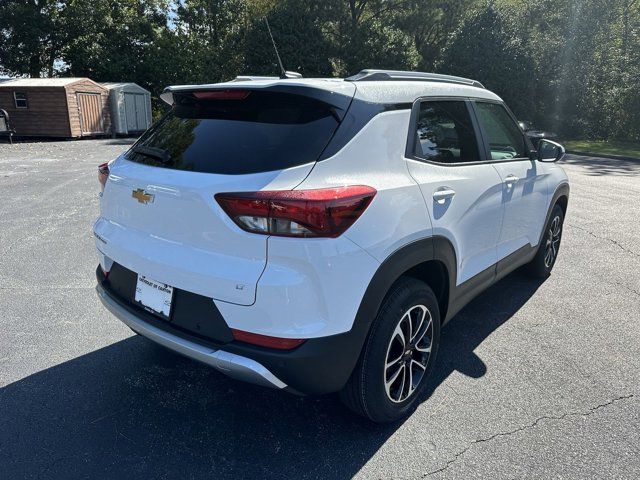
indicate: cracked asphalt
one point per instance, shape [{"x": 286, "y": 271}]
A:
[{"x": 533, "y": 380}]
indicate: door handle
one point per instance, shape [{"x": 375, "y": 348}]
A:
[
  {"x": 441, "y": 196},
  {"x": 510, "y": 180}
]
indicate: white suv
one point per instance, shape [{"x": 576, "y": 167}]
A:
[{"x": 314, "y": 235}]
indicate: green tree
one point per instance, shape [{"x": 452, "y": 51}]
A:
[
  {"x": 569, "y": 65},
  {"x": 431, "y": 24},
  {"x": 32, "y": 34},
  {"x": 208, "y": 32},
  {"x": 368, "y": 35},
  {"x": 618, "y": 86},
  {"x": 586, "y": 55},
  {"x": 112, "y": 40},
  {"x": 542, "y": 27},
  {"x": 487, "y": 47},
  {"x": 298, "y": 31}
]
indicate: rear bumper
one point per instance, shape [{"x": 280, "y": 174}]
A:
[
  {"x": 235, "y": 366},
  {"x": 319, "y": 366}
]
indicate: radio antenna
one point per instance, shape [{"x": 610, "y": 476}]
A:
[{"x": 283, "y": 73}]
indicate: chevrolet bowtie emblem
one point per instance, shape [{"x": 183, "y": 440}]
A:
[{"x": 141, "y": 196}]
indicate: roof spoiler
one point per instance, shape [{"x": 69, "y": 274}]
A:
[
  {"x": 167, "y": 94},
  {"x": 339, "y": 96}
]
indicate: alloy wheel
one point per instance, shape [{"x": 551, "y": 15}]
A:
[
  {"x": 408, "y": 353},
  {"x": 553, "y": 242}
]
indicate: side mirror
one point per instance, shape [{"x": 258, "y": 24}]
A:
[{"x": 549, "y": 151}]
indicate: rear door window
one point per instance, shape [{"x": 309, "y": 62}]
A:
[
  {"x": 262, "y": 132},
  {"x": 444, "y": 133}
]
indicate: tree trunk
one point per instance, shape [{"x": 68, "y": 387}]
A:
[{"x": 35, "y": 67}]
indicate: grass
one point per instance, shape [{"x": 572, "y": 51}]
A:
[{"x": 625, "y": 149}]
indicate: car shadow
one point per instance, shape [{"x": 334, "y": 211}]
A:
[
  {"x": 477, "y": 321},
  {"x": 604, "y": 166},
  {"x": 134, "y": 409}
]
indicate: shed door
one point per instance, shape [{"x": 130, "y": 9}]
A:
[
  {"x": 135, "y": 104},
  {"x": 90, "y": 108},
  {"x": 130, "y": 109},
  {"x": 141, "y": 112}
]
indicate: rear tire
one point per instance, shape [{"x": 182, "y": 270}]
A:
[
  {"x": 392, "y": 371},
  {"x": 547, "y": 254}
]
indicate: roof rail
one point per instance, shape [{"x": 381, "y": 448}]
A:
[
  {"x": 245, "y": 78},
  {"x": 378, "y": 75}
]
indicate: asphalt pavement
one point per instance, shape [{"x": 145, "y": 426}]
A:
[{"x": 533, "y": 380}]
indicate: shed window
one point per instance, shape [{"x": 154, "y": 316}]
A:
[{"x": 20, "y": 99}]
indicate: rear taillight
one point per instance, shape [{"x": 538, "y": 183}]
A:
[
  {"x": 229, "y": 94},
  {"x": 105, "y": 272},
  {"x": 325, "y": 212},
  {"x": 103, "y": 174},
  {"x": 266, "y": 341}
]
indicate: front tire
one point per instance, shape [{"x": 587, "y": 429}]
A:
[
  {"x": 398, "y": 355},
  {"x": 545, "y": 259}
]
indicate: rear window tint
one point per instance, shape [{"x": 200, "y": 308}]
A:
[
  {"x": 444, "y": 133},
  {"x": 263, "y": 132}
]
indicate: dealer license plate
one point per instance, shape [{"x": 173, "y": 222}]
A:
[{"x": 154, "y": 296}]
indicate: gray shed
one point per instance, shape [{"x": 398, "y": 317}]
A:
[{"x": 130, "y": 107}]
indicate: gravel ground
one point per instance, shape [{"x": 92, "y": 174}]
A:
[{"x": 536, "y": 380}]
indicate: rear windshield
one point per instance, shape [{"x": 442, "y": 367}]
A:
[{"x": 264, "y": 131}]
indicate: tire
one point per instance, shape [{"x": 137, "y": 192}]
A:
[
  {"x": 547, "y": 254},
  {"x": 382, "y": 394}
]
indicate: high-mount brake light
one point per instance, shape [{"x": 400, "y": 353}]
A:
[
  {"x": 325, "y": 212},
  {"x": 228, "y": 94},
  {"x": 103, "y": 174},
  {"x": 266, "y": 341}
]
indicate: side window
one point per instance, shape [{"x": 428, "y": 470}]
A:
[
  {"x": 505, "y": 138},
  {"x": 20, "y": 100},
  {"x": 444, "y": 133}
]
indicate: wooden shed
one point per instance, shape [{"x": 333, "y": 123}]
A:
[{"x": 56, "y": 107}]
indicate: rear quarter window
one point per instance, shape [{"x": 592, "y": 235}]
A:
[{"x": 263, "y": 132}]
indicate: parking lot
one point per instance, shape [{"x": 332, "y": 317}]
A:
[{"x": 535, "y": 380}]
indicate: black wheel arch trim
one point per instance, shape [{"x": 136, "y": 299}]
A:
[
  {"x": 398, "y": 263},
  {"x": 562, "y": 190}
]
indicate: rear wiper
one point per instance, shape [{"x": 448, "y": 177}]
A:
[{"x": 153, "y": 152}]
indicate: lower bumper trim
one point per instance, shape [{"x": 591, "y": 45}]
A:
[{"x": 235, "y": 366}]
